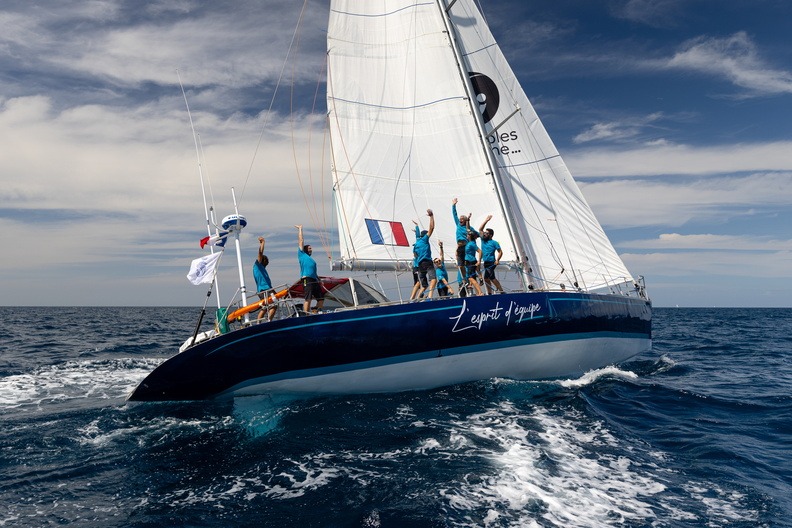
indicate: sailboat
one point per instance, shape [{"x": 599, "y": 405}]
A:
[{"x": 422, "y": 107}]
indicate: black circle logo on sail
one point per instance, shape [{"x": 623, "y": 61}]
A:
[{"x": 487, "y": 95}]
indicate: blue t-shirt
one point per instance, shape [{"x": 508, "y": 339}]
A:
[
  {"x": 441, "y": 273},
  {"x": 471, "y": 250},
  {"x": 422, "y": 249},
  {"x": 307, "y": 265},
  {"x": 262, "y": 277},
  {"x": 488, "y": 249},
  {"x": 461, "y": 231}
]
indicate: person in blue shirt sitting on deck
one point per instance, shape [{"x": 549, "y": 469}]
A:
[
  {"x": 312, "y": 286},
  {"x": 263, "y": 283}
]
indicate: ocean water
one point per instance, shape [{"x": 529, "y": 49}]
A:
[{"x": 697, "y": 432}]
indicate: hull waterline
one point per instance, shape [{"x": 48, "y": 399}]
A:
[{"x": 411, "y": 346}]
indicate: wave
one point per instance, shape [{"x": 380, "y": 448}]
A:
[
  {"x": 510, "y": 464},
  {"x": 74, "y": 380},
  {"x": 593, "y": 375}
]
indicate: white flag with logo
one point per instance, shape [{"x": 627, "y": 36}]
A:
[{"x": 202, "y": 269}]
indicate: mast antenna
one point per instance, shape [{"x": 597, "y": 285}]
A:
[{"x": 207, "y": 208}]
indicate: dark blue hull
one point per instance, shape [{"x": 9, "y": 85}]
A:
[{"x": 410, "y": 346}]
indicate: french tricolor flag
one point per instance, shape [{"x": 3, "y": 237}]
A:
[
  {"x": 386, "y": 233},
  {"x": 215, "y": 240}
]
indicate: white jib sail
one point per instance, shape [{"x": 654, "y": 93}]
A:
[{"x": 404, "y": 139}]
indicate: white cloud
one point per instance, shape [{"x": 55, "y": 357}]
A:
[
  {"x": 735, "y": 58},
  {"x": 608, "y": 131},
  {"x": 669, "y": 159},
  {"x": 140, "y": 158},
  {"x": 617, "y": 130},
  {"x": 711, "y": 242},
  {"x": 161, "y": 7},
  {"x": 211, "y": 46},
  {"x": 715, "y": 278},
  {"x": 677, "y": 201},
  {"x": 656, "y": 13},
  {"x": 117, "y": 189},
  {"x": 698, "y": 265}
]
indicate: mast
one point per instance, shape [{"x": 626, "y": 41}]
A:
[
  {"x": 505, "y": 206},
  {"x": 234, "y": 224}
]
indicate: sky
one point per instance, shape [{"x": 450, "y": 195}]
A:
[{"x": 674, "y": 116}]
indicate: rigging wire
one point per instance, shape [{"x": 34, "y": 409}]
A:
[
  {"x": 198, "y": 152},
  {"x": 272, "y": 103},
  {"x": 577, "y": 216},
  {"x": 208, "y": 179},
  {"x": 319, "y": 221},
  {"x": 325, "y": 231}
]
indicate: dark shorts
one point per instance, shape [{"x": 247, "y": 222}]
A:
[
  {"x": 263, "y": 294},
  {"x": 442, "y": 291},
  {"x": 489, "y": 270},
  {"x": 471, "y": 270},
  {"x": 313, "y": 289},
  {"x": 426, "y": 272},
  {"x": 460, "y": 252}
]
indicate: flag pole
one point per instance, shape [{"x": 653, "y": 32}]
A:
[{"x": 203, "y": 311}]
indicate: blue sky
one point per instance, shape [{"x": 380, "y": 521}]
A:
[{"x": 675, "y": 116}]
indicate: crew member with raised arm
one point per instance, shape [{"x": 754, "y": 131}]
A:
[
  {"x": 308, "y": 276},
  {"x": 416, "y": 280},
  {"x": 489, "y": 260},
  {"x": 423, "y": 255},
  {"x": 462, "y": 224},
  {"x": 263, "y": 282}
]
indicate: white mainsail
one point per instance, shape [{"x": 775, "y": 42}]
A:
[{"x": 405, "y": 138}]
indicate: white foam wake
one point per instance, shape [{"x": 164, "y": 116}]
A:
[
  {"x": 544, "y": 466},
  {"x": 95, "y": 379},
  {"x": 593, "y": 375}
]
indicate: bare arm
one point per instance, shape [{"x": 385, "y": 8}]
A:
[
  {"x": 481, "y": 229},
  {"x": 261, "y": 250},
  {"x": 442, "y": 255},
  {"x": 430, "y": 214},
  {"x": 299, "y": 237},
  {"x": 500, "y": 255}
]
